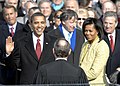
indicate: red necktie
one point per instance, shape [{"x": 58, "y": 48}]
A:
[
  {"x": 111, "y": 43},
  {"x": 38, "y": 48},
  {"x": 12, "y": 33}
]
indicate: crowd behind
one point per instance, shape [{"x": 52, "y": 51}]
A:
[{"x": 60, "y": 42}]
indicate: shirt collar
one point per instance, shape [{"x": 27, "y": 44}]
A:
[
  {"x": 14, "y": 26},
  {"x": 61, "y": 59},
  {"x": 113, "y": 34},
  {"x": 35, "y": 38},
  {"x": 65, "y": 31}
]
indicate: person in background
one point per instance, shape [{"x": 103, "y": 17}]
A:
[
  {"x": 11, "y": 2},
  {"x": 1, "y": 5},
  {"x": 28, "y": 5},
  {"x": 57, "y": 4},
  {"x": 95, "y": 52},
  {"x": 68, "y": 30},
  {"x": 82, "y": 16},
  {"x": 71, "y": 4},
  {"x": 56, "y": 21},
  {"x": 21, "y": 8},
  {"x": 91, "y": 12},
  {"x": 108, "y": 6},
  {"x": 9, "y": 28},
  {"x": 57, "y": 18},
  {"x": 31, "y": 51},
  {"x": 98, "y": 7},
  {"x": 31, "y": 11},
  {"x": 117, "y": 3},
  {"x": 84, "y": 3},
  {"x": 8, "y": 2},
  {"x": 112, "y": 37},
  {"x": 51, "y": 73},
  {"x": 95, "y": 2},
  {"x": 46, "y": 9},
  {"x": 103, "y": 1}
]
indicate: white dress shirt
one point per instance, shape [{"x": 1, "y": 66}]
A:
[
  {"x": 14, "y": 26},
  {"x": 65, "y": 32},
  {"x": 113, "y": 34}
]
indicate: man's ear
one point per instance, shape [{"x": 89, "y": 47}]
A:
[
  {"x": 69, "y": 51},
  {"x": 63, "y": 22},
  {"x": 16, "y": 14},
  {"x": 53, "y": 51},
  {"x": 116, "y": 24}
]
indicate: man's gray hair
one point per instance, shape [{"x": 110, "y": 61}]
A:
[{"x": 111, "y": 14}]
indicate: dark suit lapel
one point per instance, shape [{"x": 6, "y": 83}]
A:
[
  {"x": 108, "y": 42},
  {"x": 76, "y": 53},
  {"x": 45, "y": 48},
  {"x": 18, "y": 26},
  {"x": 117, "y": 41},
  {"x": 30, "y": 47},
  {"x": 106, "y": 39},
  {"x": 77, "y": 41},
  {"x": 58, "y": 34},
  {"x": 5, "y": 30}
]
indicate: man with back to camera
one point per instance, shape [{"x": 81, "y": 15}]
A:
[{"x": 60, "y": 71}]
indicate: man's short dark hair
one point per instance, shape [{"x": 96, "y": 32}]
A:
[
  {"x": 37, "y": 14},
  {"x": 68, "y": 14}
]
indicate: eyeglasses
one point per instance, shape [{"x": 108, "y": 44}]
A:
[
  {"x": 81, "y": 18},
  {"x": 58, "y": 17}
]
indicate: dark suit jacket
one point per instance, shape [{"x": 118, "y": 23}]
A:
[
  {"x": 24, "y": 56},
  {"x": 74, "y": 57},
  {"x": 2, "y": 69},
  {"x": 9, "y": 73},
  {"x": 50, "y": 28},
  {"x": 4, "y": 29},
  {"x": 60, "y": 72},
  {"x": 114, "y": 58}
]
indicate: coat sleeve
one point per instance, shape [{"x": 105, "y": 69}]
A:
[
  {"x": 83, "y": 78},
  {"x": 38, "y": 79},
  {"x": 14, "y": 59}
]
